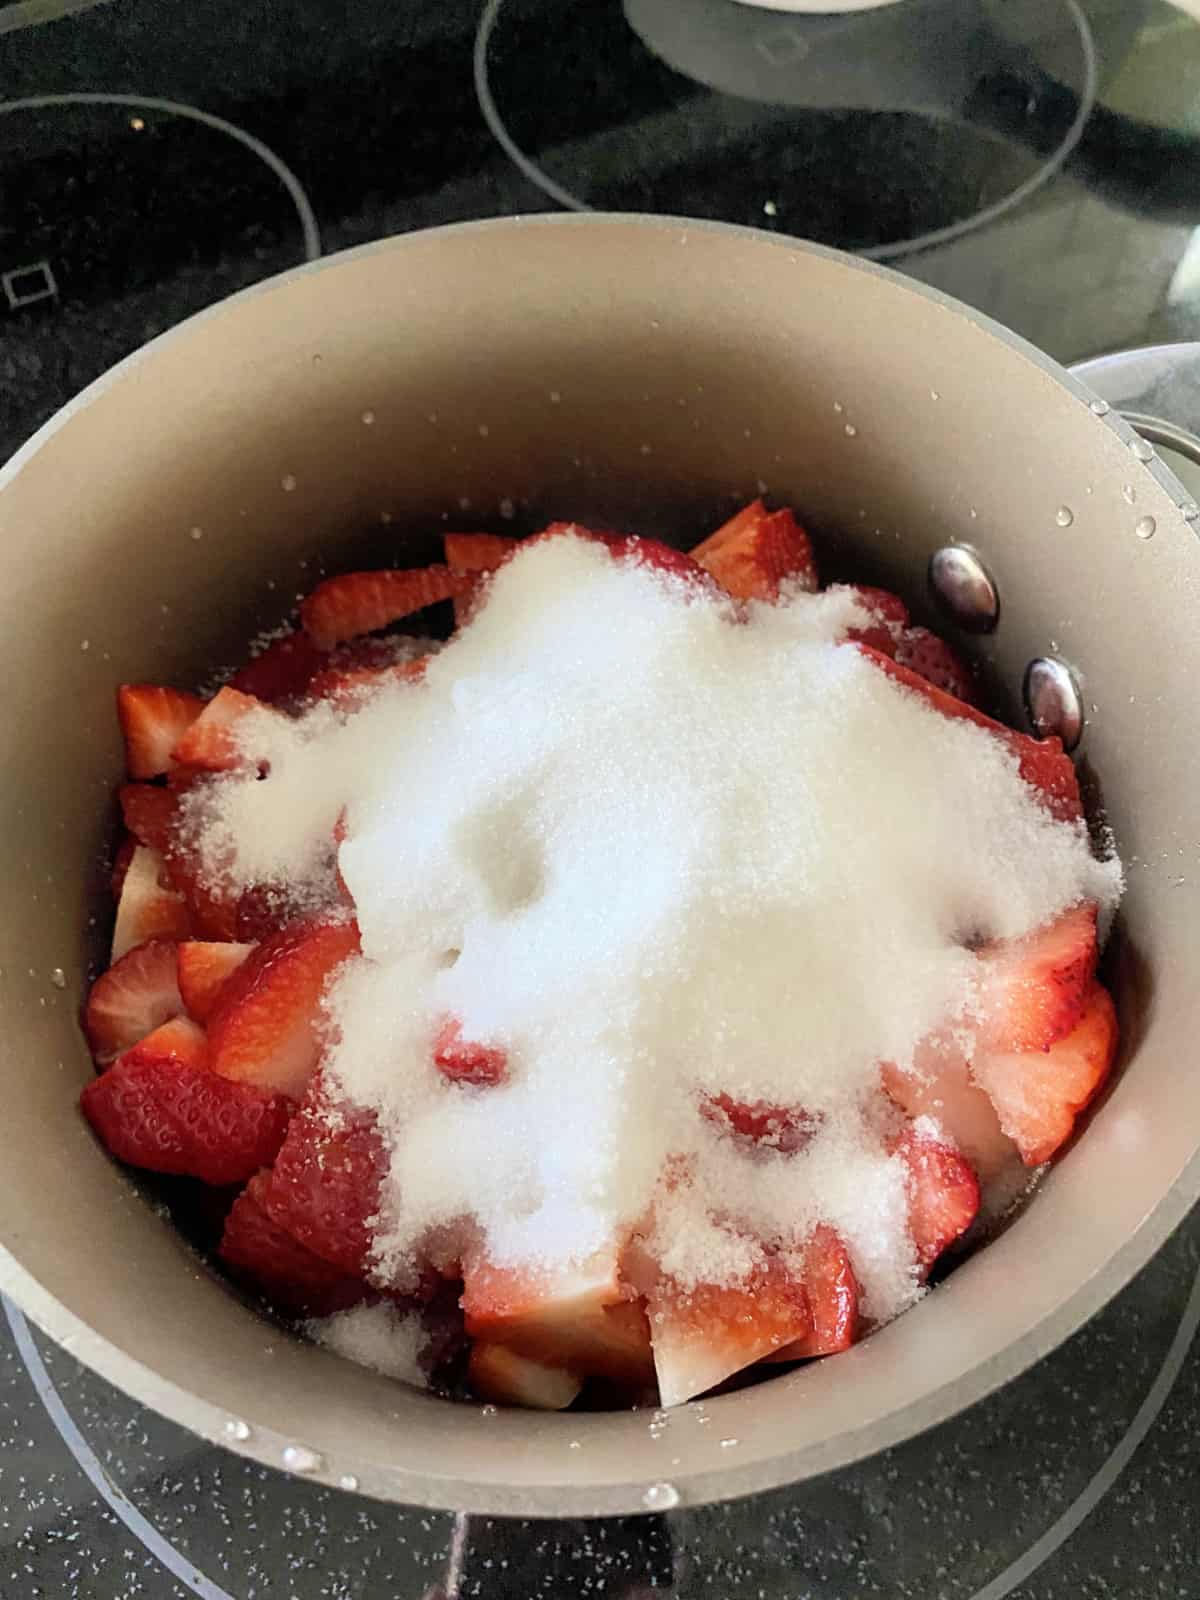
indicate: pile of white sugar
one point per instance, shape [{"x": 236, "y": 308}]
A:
[{"x": 657, "y": 850}]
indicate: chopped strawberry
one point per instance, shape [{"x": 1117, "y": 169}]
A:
[
  {"x": 153, "y": 720},
  {"x": 212, "y": 743},
  {"x": 1042, "y": 763},
  {"x": 148, "y": 908},
  {"x": 281, "y": 672},
  {"x": 752, "y": 553},
  {"x": 498, "y": 1374},
  {"x": 267, "y": 1259},
  {"x": 783, "y": 1128},
  {"x": 324, "y": 1189},
  {"x": 943, "y": 1194},
  {"x": 204, "y": 967},
  {"x": 653, "y": 553},
  {"x": 466, "y": 1060},
  {"x": 179, "y": 1040},
  {"x": 131, "y": 999},
  {"x": 888, "y": 613},
  {"x": 149, "y": 813},
  {"x": 1032, "y": 990},
  {"x": 1039, "y": 1093},
  {"x": 575, "y": 1317},
  {"x": 264, "y": 1027},
  {"x": 360, "y": 602},
  {"x": 161, "y": 1113},
  {"x": 940, "y": 1087},
  {"x": 833, "y": 1298},
  {"x": 345, "y": 686},
  {"x": 935, "y": 660},
  {"x": 478, "y": 552},
  {"x": 703, "y": 1335}
]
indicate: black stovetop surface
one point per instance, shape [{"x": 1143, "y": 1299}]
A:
[{"x": 1037, "y": 158}]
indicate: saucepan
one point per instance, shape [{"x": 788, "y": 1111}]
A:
[{"x": 633, "y": 371}]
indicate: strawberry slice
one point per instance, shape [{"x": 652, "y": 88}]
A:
[
  {"x": 1032, "y": 990},
  {"x": 204, "y": 967},
  {"x": 702, "y": 1336},
  {"x": 1039, "y": 1093},
  {"x": 478, "y": 552},
  {"x": 940, "y": 1087},
  {"x": 280, "y": 673},
  {"x": 324, "y": 1189},
  {"x": 179, "y": 1041},
  {"x": 266, "y": 1259},
  {"x": 752, "y": 553},
  {"x": 936, "y": 661},
  {"x": 149, "y": 813},
  {"x": 833, "y": 1299},
  {"x": 633, "y": 548},
  {"x": 147, "y": 907},
  {"x": 212, "y": 743},
  {"x": 943, "y": 1194},
  {"x": 1042, "y": 762},
  {"x": 757, "y": 1123},
  {"x": 465, "y": 1060},
  {"x": 153, "y": 720},
  {"x": 131, "y": 999},
  {"x": 498, "y": 1374},
  {"x": 155, "y": 1111},
  {"x": 575, "y": 1317},
  {"x": 360, "y": 602},
  {"x": 264, "y": 1026},
  {"x": 345, "y": 686},
  {"x": 888, "y": 613}
]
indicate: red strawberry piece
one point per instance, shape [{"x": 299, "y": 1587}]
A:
[
  {"x": 466, "y": 1060},
  {"x": 937, "y": 661},
  {"x": 498, "y": 1374},
  {"x": 121, "y": 861},
  {"x": 943, "y": 1194},
  {"x": 345, "y": 686},
  {"x": 360, "y": 602},
  {"x": 833, "y": 1299},
  {"x": 752, "y": 553},
  {"x": 157, "y": 1112},
  {"x": 204, "y": 968},
  {"x": 940, "y": 1087},
  {"x": 575, "y": 1317},
  {"x": 153, "y": 720},
  {"x": 478, "y": 552},
  {"x": 265, "y": 1257},
  {"x": 147, "y": 907},
  {"x": 212, "y": 743},
  {"x": 280, "y": 673},
  {"x": 783, "y": 1128},
  {"x": 888, "y": 613},
  {"x": 1039, "y": 1093},
  {"x": 264, "y": 1028},
  {"x": 1042, "y": 762},
  {"x": 703, "y": 1335},
  {"x": 179, "y": 1040},
  {"x": 1032, "y": 990},
  {"x": 149, "y": 813},
  {"x": 324, "y": 1189},
  {"x": 653, "y": 553},
  {"x": 137, "y": 994}
]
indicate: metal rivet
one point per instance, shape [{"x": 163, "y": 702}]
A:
[
  {"x": 1052, "y": 701},
  {"x": 964, "y": 587}
]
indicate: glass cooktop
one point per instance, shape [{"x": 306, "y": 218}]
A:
[{"x": 1039, "y": 159}]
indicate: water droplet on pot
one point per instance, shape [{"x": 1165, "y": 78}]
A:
[
  {"x": 85, "y": 644},
  {"x": 58, "y": 978},
  {"x": 1189, "y": 511},
  {"x": 288, "y": 482},
  {"x": 661, "y": 1497},
  {"x": 316, "y": 360},
  {"x": 851, "y": 431},
  {"x": 487, "y": 1411},
  {"x": 1145, "y": 527},
  {"x": 484, "y": 430},
  {"x": 1128, "y": 493},
  {"x": 196, "y": 533},
  {"x": 728, "y": 1444},
  {"x": 1064, "y": 516},
  {"x": 368, "y": 418},
  {"x": 299, "y": 1458},
  {"x": 1142, "y": 449},
  {"x": 1101, "y": 407},
  {"x": 838, "y": 407},
  {"x": 348, "y": 1481},
  {"x": 574, "y": 1445},
  {"x": 934, "y": 394},
  {"x": 555, "y": 397},
  {"x": 770, "y": 209},
  {"x": 237, "y": 1429},
  {"x": 507, "y": 509},
  {"x": 973, "y": 513}
]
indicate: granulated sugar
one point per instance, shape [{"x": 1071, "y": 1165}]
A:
[
  {"x": 656, "y": 852},
  {"x": 378, "y": 1336}
]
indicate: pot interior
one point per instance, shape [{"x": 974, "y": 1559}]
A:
[{"x": 641, "y": 373}]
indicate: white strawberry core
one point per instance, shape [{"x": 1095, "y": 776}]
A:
[{"x": 654, "y": 849}]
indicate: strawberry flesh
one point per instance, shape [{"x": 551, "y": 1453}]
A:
[
  {"x": 362, "y": 602},
  {"x": 268, "y": 1260},
  {"x": 280, "y": 674},
  {"x": 137, "y": 994},
  {"x": 498, "y": 1374},
  {"x": 936, "y": 661},
  {"x": 153, "y": 720},
  {"x": 759, "y": 1124},
  {"x": 212, "y": 743},
  {"x": 147, "y": 906},
  {"x": 1039, "y": 1093},
  {"x": 179, "y": 1040},
  {"x": 943, "y": 1194},
  {"x": 752, "y": 554},
  {"x": 204, "y": 968},
  {"x": 888, "y": 613},
  {"x": 465, "y": 1060},
  {"x": 478, "y": 552},
  {"x": 1032, "y": 990},
  {"x": 833, "y": 1299},
  {"x": 940, "y": 1087}
]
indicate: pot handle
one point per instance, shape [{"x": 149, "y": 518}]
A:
[{"x": 1156, "y": 389}]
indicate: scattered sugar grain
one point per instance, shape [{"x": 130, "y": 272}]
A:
[{"x": 380, "y": 1337}]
